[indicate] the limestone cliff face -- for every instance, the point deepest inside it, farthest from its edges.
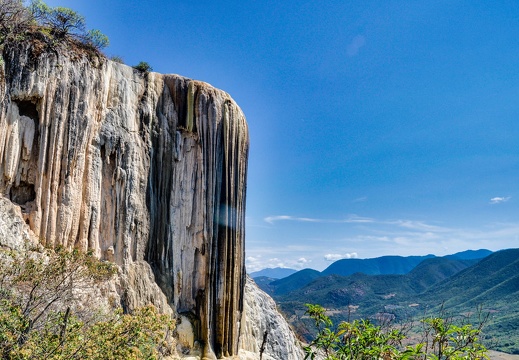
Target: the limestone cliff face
(146, 170)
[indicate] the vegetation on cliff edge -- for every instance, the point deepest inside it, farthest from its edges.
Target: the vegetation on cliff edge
(52, 26)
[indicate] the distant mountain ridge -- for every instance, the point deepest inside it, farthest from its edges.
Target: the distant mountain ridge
(275, 273)
(385, 265)
(470, 254)
(460, 284)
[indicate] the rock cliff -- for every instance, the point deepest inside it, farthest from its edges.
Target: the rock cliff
(265, 327)
(146, 170)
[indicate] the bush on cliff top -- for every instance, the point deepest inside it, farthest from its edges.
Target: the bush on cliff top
(58, 24)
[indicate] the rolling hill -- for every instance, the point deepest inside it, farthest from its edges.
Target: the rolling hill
(460, 286)
(377, 266)
(290, 283)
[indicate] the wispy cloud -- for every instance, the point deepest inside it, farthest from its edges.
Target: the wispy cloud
(365, 237)
(335, 257)
(273, 219)
(349, 219)
(499, 199)
(354, 46)
(419, 225)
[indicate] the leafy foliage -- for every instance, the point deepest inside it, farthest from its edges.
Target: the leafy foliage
(143, 67)
(360, 339)
(61, 20)
(13, 18)
(43, 314)
(57, 25)
(97, 39)
(117, 59)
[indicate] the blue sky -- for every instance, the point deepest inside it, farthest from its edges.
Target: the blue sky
(377, 127)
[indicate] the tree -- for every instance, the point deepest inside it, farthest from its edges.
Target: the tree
(57, 24)
(97, 39)
(13, 17)
(61, 20)
(43, 314)
(362, 340)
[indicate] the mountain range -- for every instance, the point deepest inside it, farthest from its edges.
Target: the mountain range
(270, 281)
(274, 273)
(455, 285)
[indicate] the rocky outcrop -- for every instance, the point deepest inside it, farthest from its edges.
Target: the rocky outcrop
(146, 170)
(266, 329)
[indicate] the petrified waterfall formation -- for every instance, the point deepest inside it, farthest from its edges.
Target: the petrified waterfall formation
(142, 169)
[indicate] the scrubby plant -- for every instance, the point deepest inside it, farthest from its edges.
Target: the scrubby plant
(97, 39)
(143, 66)
(61, 20)
(362, 340)
(117, 59)
(57, 24)
(43, 314)
(14, 17)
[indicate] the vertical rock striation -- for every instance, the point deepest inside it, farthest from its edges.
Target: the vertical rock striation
(145, 170)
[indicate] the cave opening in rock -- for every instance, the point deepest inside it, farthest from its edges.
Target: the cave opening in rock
(28, 108)
(22, 193)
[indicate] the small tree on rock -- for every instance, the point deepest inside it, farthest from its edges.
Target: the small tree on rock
(61, 21)
(143, 66)
(97, 39)
(13, 17)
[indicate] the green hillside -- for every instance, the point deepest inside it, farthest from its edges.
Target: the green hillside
(292, 282)
(376, 266)
(491, 279)
(432, 271)
(493, 284)
(461, 286)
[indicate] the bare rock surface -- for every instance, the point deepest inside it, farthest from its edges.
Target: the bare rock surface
(14, 233)
(265, 327)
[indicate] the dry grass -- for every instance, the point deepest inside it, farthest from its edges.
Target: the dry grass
(496, 355)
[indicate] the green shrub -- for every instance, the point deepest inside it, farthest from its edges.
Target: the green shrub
(56, 24)
(14, 17)
(143, 66)
(117, 59)
(42, 316)
(362, 340)
(97, 39)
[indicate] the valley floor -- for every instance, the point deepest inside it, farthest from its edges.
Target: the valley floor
(496, 355)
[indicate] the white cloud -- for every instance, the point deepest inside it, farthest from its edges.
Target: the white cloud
(335, 257)
(419, 225)
(498, 199)
(351, 219)
(355, 45)
(372, 237)
(302, 260)
(272, 219)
